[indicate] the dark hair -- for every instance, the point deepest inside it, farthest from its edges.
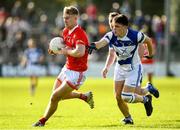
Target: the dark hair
(113, 14)
(71, 10)
(121, 19)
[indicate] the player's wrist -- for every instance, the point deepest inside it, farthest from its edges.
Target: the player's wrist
(64, 51)
(91, 47)
(51, 52)
(94, 46)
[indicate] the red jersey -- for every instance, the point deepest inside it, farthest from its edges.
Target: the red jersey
(71, 39)
(145, 60)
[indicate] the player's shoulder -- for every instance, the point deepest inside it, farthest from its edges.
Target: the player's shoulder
(109, 35)
(79, 32)
(132, 32)
(135, 35)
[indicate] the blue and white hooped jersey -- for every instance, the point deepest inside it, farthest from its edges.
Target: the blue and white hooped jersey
(126, 48)
(33, 55)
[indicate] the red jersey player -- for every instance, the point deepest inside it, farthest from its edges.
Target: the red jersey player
(73, 73)
(148, 64)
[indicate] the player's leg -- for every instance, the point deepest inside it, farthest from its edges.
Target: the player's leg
(56, 96)
(75, 80)
(87, 97)
(129, 95)
(150, 75)
(149, 88)
(141, 91)
(149, 69)
(63, 90)
(118, 86)
(119, 79)
(133, 79)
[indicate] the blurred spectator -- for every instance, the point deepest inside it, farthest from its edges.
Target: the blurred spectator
(59, 20)
(32, 60)
(115, 7)
(91, 11)
(3, 35)
(139, 19)
(43, 25)
(126, 9)
(17, 9)
(3, 31)
(148, 64)
(31, 13)
(158, 28)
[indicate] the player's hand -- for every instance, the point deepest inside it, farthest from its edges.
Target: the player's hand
(91, 48)
(104, 72)
(51, 52)
(149, 57)
(64, 51)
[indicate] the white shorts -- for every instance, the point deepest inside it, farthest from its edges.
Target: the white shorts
(73, 78)
(133, 78)
(148, 68)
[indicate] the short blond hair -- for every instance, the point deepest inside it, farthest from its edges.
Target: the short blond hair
(71, 10)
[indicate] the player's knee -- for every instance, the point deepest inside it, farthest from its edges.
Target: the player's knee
(128, 97)
(55, 98)
(118, 97)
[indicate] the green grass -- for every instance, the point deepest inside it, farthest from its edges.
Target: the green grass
(16, 111)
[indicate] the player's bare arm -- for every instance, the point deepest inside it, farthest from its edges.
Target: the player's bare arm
(97, 45)
(109, 61)
(148, 42)
(141, 50)
(101, 43)
(79, 51)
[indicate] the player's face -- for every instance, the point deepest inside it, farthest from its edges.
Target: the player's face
(69, 20)
(119, 29)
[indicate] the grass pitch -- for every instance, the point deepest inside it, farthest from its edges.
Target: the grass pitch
(18, 110)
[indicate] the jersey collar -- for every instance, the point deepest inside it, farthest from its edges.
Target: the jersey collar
(70, 31)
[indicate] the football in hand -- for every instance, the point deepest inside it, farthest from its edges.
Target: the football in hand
(56, 44)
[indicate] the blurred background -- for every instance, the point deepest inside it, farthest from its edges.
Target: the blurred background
(22, 19)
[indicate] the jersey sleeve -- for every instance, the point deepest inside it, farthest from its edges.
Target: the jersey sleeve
(81, 38)
(107, 37)
(141, 37)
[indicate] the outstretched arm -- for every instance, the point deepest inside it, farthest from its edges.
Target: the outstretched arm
(101, 43)
(97, 45)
